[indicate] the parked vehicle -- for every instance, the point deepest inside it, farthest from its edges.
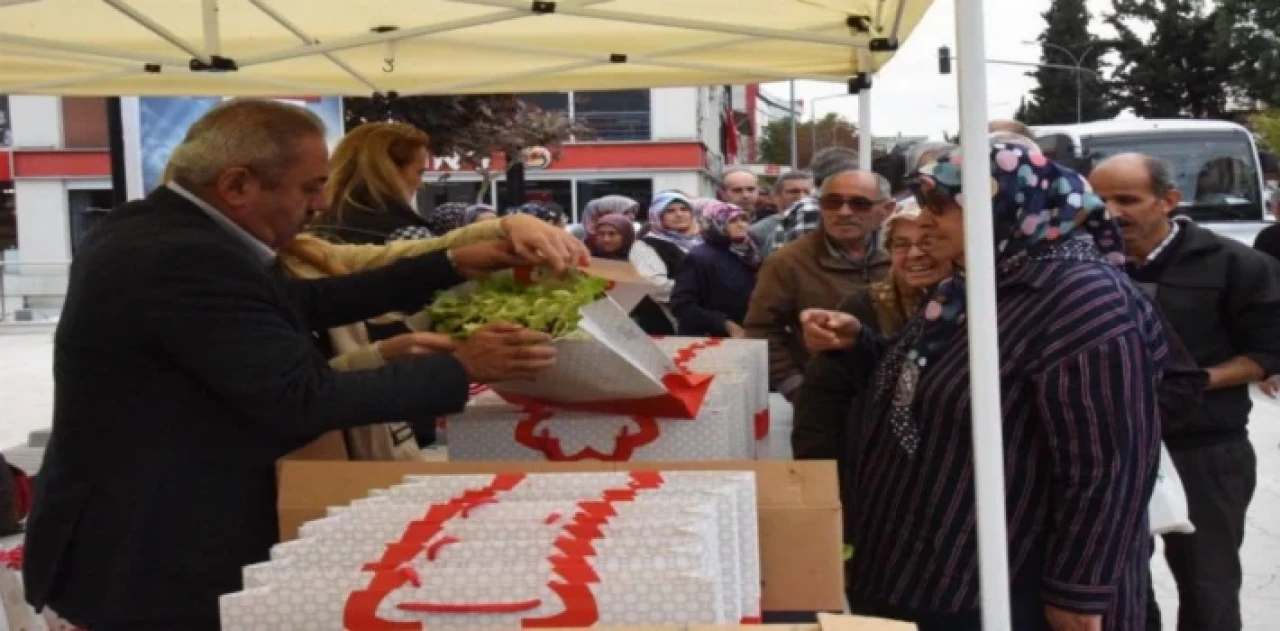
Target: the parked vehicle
(1215, 162)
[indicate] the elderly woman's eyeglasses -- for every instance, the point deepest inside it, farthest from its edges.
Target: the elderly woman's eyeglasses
(857, 203)
(905, 245)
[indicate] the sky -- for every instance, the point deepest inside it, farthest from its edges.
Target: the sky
(910, 97)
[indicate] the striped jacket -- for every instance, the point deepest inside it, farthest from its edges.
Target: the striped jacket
(1081, 354)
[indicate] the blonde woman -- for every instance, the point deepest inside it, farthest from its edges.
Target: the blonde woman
(374, 179)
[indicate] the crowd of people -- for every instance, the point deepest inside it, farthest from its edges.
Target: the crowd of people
(264, 295)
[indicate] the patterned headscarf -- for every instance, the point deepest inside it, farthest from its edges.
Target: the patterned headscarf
(623, 225)
(475, 210)
(1034, 201)
(660, 204)
(607, 205)
(715, 231)
(445, 218)
(1039, 210)
(699, 204)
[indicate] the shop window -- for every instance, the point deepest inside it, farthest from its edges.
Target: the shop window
(8, 217)
(436, 193)
(558, 191)
(614, 114)
(84, 123)
(640, 190)
(549, 101)
(88, 208)
(6, 128)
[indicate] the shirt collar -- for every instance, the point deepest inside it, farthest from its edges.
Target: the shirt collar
(258, 248)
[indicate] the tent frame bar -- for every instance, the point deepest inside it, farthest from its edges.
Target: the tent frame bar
(90, 51)
(159, 29)
(387, 36)
(693, 25)
(288, 25)
(212, 32)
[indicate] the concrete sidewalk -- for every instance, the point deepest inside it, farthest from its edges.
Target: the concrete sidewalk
(26, 405)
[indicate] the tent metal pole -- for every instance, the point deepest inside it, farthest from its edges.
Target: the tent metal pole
(92, 51)
(984, 380)
(864, 130)
(389, 36)
(157, 28)
(302, 35)
(695, 25)
(795, 150)
(212, 31)
(115, 142)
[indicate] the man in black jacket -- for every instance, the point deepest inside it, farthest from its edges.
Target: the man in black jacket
(1223, 301)
(184, 367)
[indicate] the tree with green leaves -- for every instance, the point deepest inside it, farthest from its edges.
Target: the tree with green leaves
(830, 131)
(1064, 94)
(1266, 124)
(1247, 35)
(1181, 69)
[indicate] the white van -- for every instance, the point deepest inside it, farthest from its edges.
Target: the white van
(1215, 163)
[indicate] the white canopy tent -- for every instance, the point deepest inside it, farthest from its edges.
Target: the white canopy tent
(414, 47)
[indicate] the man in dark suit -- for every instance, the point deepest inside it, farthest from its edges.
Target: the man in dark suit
(185, 367)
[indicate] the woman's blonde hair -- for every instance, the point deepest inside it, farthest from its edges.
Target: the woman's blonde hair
(907, 210)
(364, 170)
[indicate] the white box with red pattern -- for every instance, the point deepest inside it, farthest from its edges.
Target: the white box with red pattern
(539, 550)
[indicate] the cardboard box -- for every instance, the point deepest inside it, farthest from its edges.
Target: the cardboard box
(798, 502)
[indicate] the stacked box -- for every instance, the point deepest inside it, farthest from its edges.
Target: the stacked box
(516, 550)
(491, 429)
(747, 360)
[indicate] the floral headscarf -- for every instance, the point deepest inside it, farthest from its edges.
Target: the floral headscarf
(445, 218)
(623, 225)
(475, 210)
(715, 231)
(1039, 209)
(659, 205)
(607, 205)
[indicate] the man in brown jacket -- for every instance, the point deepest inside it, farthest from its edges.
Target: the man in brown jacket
(819, 270)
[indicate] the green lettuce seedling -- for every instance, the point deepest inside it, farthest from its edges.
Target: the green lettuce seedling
(552, 307)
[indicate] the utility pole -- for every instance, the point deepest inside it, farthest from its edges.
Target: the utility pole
(795, 153)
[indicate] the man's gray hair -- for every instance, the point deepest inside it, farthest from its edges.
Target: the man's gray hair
(882, 183)
(831, 161)
(791, 176)
(724, 175)
(260, 135)
(932, 149)
(1161, 174)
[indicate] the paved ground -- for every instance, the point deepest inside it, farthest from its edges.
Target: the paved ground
(26, 402)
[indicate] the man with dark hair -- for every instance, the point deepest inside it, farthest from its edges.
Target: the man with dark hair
(1269, 239)
(790, 188)
(1223, 300)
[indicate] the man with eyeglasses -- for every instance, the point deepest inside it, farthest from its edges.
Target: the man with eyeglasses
(819, 270)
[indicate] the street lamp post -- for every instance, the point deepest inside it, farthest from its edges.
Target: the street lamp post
(1079, 68)
(813, 126)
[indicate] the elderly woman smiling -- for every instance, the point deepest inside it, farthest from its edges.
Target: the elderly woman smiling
(1082, 354)
(823, 403)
